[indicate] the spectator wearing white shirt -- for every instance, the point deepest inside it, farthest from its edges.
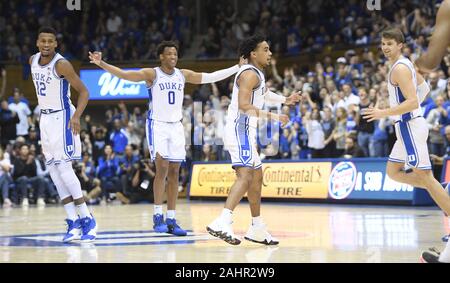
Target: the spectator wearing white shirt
(349, 97)
(316, 135)
(24, 112)
(437, 85)
(113, 23)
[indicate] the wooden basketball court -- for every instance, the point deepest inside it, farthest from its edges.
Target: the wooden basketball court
(307, 233)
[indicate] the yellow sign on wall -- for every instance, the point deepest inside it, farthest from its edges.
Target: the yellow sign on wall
(280, 180)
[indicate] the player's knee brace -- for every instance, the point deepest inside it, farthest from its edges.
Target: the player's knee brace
(56, 178)
(70, 179)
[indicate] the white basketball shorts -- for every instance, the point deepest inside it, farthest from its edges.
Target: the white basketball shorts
(166, 139)
(240, 142)
(411, 146)
(58, 142)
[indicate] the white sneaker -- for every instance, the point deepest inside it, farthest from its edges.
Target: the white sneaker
(7, 203)
(259, 234)
(40, 202)
(25, 202)
(223, 231)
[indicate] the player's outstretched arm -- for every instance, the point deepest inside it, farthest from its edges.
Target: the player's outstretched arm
(402, 76)
(247, 82)
(273, 97)
(207, 78)
(147, 74)
(65, 69)
(439, 42)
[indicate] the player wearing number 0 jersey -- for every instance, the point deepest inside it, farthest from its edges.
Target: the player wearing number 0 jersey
(410, 128)
(60, 126)
(165, 134)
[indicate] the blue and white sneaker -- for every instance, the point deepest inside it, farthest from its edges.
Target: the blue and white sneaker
(159, 225)
(73, 230)
(174, 228)
(89, 228)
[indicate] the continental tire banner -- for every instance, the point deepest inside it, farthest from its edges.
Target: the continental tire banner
(280, 180)
(357, 179)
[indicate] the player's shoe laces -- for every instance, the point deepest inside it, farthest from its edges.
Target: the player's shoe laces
(89, 228)
(223, 231)
(174, 228)
(430, 256)
(73, 230)
(259, 234)
(159, 225)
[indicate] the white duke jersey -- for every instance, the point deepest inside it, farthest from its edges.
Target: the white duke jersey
(396, 96)
(53, 92)
(166, 96)
(257, 100)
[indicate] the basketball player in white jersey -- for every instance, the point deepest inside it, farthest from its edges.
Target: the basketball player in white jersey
(165, 132)
(249, 95)
(60, 127)
(410, 127)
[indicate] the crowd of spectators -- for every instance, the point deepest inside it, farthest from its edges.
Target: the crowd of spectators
(294, 27)
(122, 30)
(131, 30)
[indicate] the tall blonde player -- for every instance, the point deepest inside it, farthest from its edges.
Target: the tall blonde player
(60, 127)
(165, 132)
(410, 127)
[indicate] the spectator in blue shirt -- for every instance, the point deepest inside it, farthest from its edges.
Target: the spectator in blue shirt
(108, 172)
(285, 141)
(126, 164)
(118, 137)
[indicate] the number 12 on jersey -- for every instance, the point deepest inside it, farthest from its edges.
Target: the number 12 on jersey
(40, 88)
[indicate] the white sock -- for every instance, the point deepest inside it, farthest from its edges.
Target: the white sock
(84, 210)
(157, 209)
(170, 214)
(257, 221)
(445, 254)
(227, 215)
(71, 211)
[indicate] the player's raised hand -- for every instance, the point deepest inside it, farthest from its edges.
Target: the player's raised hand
(74, 125)
(242, 61)
(294, 98)
(95, 57)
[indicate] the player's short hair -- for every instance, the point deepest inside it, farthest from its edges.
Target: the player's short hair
(249, 44)
(47, 29)
(163, 45)
(395, 34)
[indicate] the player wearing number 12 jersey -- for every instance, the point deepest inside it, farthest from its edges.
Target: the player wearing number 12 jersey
(60, 127)
(165, 134)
